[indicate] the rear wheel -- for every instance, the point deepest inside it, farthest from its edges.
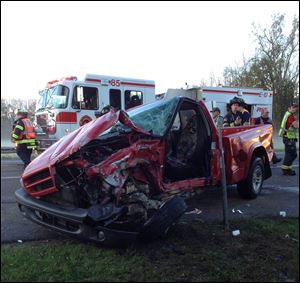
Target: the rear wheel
(251, 187)
(159, 224)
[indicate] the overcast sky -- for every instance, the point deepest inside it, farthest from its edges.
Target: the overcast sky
(169, 42)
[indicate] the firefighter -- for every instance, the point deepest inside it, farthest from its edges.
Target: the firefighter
(289, 131)
(23, 136)
(233, 118)
(245, 115)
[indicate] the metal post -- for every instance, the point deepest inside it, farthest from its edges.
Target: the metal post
(224, 182)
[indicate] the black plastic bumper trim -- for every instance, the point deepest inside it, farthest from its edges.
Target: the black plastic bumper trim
(70, 221)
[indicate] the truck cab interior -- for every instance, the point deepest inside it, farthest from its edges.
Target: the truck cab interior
(188, 145)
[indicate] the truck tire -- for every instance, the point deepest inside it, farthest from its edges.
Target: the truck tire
(159, 224)
(251, 187)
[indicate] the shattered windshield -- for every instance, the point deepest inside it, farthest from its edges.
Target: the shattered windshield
(154, 118)
(41, 103)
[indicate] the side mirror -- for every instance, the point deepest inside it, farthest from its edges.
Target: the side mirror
(79, 94)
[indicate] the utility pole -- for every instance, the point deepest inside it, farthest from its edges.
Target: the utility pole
(223, 179)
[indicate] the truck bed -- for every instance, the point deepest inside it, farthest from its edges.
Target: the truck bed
(241, 144)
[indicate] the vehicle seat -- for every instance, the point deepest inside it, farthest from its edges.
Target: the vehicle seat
(179, 164)
(187, 142)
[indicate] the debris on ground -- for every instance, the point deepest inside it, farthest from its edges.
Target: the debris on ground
(282, 213)
(293, 239)
(236, 232)
(195, 211)
(20, 241)
(239, 211)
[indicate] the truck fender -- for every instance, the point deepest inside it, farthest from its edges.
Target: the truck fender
(257, 150)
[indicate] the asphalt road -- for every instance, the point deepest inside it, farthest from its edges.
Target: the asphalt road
(280, 193)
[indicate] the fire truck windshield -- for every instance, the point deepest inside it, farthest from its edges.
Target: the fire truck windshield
(41, 103)
(54, 97)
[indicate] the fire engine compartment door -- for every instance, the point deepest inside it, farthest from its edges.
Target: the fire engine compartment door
(256, 110)
(115, 98)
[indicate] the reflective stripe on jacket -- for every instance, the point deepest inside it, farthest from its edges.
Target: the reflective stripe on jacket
(24, 133)
(291, 132)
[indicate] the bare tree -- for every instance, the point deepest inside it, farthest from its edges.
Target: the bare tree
(275, 65)
(277, 61)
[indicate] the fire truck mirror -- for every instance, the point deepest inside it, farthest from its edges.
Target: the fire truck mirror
(79, 94)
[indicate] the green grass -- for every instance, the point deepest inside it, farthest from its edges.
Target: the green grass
(195, 252)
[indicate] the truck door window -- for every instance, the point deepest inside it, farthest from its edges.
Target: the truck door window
(90, 99)
(115, 98)
(133, 98)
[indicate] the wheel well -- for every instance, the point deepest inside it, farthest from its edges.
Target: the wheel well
(261, 153)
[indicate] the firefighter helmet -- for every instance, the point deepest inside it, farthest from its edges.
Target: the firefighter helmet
(21, 112)
(242, 102)
(235, 100)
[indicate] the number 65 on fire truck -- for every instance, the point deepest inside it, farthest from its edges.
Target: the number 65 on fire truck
(68, 103)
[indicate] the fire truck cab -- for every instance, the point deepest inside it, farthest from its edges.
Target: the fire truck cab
(68, 103)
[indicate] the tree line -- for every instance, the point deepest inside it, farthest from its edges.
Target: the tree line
(9, 106)
(274, 66)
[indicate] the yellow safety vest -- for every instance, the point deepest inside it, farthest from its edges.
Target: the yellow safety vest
(291, 132)
(27, 136)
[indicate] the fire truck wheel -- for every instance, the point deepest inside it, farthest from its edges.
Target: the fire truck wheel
(251, 187)
(85, 119)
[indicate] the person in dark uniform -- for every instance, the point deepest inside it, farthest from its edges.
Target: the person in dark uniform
(244, 112)
(233, 118)
(23, 136)
(289, 131)
(265, 119)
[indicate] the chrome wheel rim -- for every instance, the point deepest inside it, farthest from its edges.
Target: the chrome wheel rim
(257, 179)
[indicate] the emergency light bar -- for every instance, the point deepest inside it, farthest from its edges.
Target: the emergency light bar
(52, 83)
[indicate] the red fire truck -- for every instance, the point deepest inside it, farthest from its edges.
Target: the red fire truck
(68, 103)
(255, 98)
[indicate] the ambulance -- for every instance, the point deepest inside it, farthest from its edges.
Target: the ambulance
(68, 103)
(255, 98)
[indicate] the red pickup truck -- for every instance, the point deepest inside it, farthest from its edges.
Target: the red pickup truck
(124, 176)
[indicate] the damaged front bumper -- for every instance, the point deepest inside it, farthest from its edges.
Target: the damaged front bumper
(70, 221)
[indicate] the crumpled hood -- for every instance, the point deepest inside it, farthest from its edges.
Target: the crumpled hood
(71, 143)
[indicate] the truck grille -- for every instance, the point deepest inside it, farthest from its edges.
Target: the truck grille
(57, 222)
(40, 183)
(40, 176)
(42, 119)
